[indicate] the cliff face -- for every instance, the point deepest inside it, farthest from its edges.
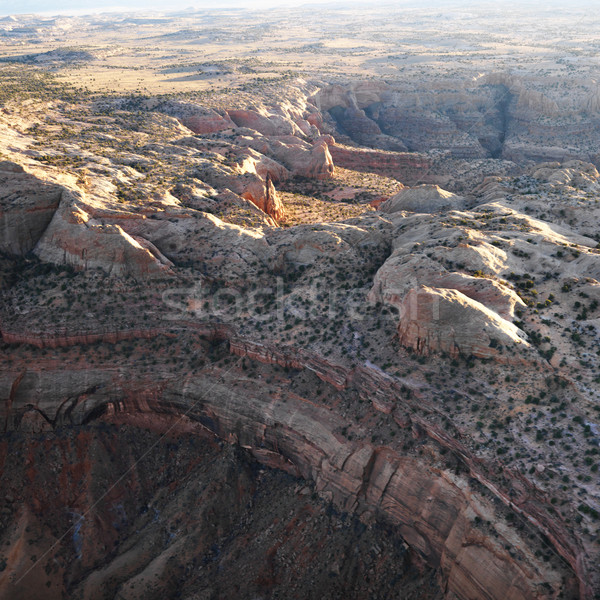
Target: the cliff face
(453, 523)
(202, 525)
(408, 168)
(27, 206)
(446, 320)
(497, 115)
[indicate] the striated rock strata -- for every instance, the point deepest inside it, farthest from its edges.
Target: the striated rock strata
(439, 511)
(445, 320)
(409, 168)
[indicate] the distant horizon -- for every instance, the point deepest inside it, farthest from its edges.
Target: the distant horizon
(89, 7)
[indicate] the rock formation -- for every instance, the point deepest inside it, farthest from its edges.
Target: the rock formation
(300, 157)
(423, 199)
(435, 514)
(402, 272)
(426, 371)
(267, 125)
(445, 320)
(210, 501)
(498, 115)
(197, 118)
(75, 238)
(27, 206)
(408, 168)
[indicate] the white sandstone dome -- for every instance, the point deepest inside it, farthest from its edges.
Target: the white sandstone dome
(423, 199)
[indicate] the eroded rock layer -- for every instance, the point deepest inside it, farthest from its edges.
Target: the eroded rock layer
(203, 525)
(438, 512)
(430, 366)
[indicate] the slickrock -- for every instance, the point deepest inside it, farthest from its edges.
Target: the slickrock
(402, 272)
(199, 119)
(74, 238)
(207, 122)
(300, 157)
(247, 209)
(576, 173)
(266, 124)
(27, 205)
(423, 199)
(445, 320)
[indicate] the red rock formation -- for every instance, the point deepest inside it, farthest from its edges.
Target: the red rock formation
(299, 156)
(199, 119)
(406, 167)
(385, 393)
(265, 197)
(321, 165)
(64, 338)
(269, 125)
(210, 122)
(273, 205)
(377, 202)
(176, 505)
(445, 320)
(433, 507)
(27, 205)
(291, 358)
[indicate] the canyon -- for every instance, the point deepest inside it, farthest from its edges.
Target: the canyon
(312, 335)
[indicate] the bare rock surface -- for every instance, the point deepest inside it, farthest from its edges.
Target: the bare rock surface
(423, 199)
(445, 320)
(27, 206)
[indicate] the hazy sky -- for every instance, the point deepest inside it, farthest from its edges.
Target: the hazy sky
(15, 7)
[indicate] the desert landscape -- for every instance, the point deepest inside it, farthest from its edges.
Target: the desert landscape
(301, 302)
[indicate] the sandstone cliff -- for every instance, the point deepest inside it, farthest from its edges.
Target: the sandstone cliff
(439, 515)
(27, 206)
